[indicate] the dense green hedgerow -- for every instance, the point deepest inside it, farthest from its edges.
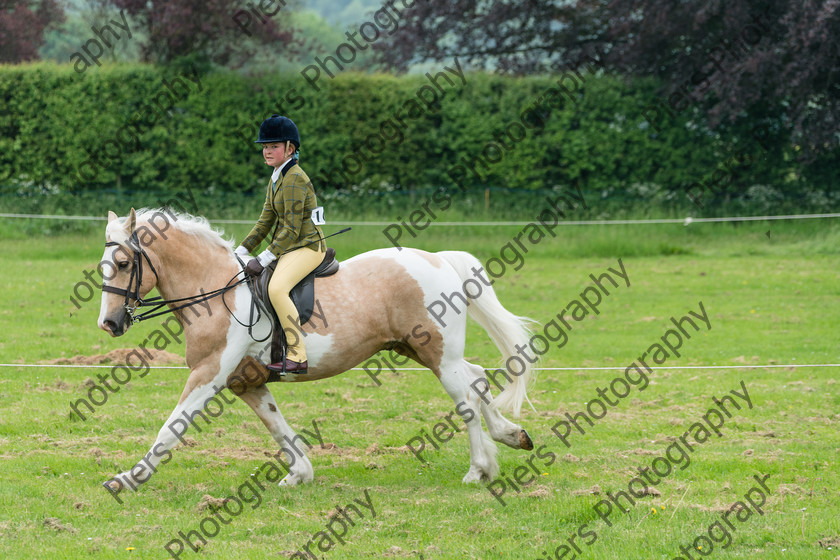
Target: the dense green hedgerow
(143, 129)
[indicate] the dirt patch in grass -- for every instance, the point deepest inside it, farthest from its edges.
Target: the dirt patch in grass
(56, 525)
(540, 492)
(595, 491)
(375, 449)
(829, 542)
(208, 501)
(329, 448)
(242, 453)
(120, 356)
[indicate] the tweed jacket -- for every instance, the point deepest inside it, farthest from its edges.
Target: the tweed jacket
(289, 203)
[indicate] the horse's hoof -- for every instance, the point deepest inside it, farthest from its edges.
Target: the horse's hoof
(525, 441)
(476, 475)
(474, 478)
(291, 480)
(114, 486)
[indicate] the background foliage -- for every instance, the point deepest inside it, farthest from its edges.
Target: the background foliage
(770, 61)
(596, 139)
(22, 27)
(53, 120)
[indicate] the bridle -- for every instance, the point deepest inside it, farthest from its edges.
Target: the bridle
(136, 274)
(136, 278)
(158, 301)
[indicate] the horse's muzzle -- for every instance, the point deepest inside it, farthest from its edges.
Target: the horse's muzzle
(116, 325)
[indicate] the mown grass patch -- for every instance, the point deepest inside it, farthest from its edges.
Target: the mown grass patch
(770, 300)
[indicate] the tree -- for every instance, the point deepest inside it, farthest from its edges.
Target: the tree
(227, 33)
(61, 42)
(314, 36)
(773, 62)
(509, 35)
(22, 26)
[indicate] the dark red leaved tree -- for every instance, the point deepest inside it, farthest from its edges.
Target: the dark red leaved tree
(788, 76)
(22, 26)
(224, 32)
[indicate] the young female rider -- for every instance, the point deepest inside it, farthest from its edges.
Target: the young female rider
(297, 242)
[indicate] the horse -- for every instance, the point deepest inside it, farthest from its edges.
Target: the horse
(377, 300)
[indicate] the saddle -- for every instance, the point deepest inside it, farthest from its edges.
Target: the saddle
(303, 296)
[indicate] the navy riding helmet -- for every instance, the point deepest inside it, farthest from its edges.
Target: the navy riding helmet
(277, 128)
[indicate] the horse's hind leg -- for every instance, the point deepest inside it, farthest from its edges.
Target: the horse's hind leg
(455, 378)
(501, 429)
(262, 403)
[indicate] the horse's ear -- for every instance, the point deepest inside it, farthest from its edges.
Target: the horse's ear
(111, 216)
(131, 223)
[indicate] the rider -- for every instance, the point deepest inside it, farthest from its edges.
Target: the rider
(297, 241)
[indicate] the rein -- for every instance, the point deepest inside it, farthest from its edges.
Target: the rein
(136, 278)
(158, 301)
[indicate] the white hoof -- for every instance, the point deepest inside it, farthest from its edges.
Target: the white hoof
(289, 480)
(294, 479)
(475, 475)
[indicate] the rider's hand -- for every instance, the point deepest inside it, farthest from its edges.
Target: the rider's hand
(266, 257)
(254, 268)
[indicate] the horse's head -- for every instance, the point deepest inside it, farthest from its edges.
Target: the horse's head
(125, 281)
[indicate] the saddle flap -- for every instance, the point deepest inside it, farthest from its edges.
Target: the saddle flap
(303, 297)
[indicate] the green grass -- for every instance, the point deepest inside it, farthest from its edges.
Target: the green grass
(770, 299)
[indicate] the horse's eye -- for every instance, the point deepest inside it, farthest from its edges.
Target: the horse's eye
(123, 265)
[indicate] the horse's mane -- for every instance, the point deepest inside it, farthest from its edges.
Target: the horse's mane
(197, 226)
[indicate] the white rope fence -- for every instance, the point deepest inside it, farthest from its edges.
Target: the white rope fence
(610, 368)
(685, 221)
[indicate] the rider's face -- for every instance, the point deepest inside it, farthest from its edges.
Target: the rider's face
(275, 153)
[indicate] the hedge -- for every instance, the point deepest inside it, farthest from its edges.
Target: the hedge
(140, 127)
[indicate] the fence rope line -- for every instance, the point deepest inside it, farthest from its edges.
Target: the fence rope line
(609, 368)
(685, 221)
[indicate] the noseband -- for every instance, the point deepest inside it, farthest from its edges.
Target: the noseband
(136, 278)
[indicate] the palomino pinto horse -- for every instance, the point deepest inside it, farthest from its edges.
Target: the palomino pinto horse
(377, 300)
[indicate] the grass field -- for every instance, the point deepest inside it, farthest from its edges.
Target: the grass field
(771, 299)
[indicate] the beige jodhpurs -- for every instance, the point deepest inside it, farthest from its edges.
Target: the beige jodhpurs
(291, 269)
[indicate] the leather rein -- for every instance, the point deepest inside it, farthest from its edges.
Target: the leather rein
(136, 278)
(158, 301)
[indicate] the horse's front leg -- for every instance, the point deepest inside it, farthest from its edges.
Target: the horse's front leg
(294, 446)
(200, 388)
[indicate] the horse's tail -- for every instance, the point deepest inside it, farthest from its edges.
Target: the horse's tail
(505, 329)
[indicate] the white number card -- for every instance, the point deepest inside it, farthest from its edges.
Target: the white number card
(318, 216)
